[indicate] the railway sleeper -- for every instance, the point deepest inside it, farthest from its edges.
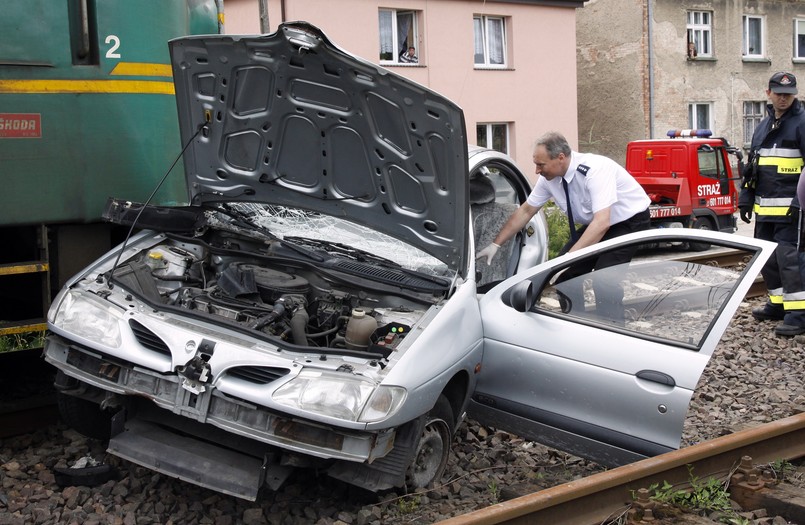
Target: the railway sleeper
(751, 488)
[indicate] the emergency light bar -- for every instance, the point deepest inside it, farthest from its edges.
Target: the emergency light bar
(701, 133)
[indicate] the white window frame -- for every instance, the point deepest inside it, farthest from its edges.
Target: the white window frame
(394, 36)
(694, 119)
(492, 55)
(753, 112)
(750, 24)
(489, 128)
(700, 32)
(799, 39)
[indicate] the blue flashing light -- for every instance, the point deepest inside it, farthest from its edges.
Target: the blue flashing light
(700, 133)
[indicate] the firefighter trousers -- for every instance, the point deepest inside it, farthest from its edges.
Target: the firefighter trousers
(784, 272)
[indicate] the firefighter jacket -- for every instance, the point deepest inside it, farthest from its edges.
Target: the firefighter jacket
(770, 177)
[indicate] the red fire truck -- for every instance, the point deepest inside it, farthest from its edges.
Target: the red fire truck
(689, 178)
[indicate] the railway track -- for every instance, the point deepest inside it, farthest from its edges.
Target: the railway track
(724, 258)
(601, 497)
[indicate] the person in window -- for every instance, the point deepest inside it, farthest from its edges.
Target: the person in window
(409, 57)
(692, 53)
(769, 191)
(595, 192)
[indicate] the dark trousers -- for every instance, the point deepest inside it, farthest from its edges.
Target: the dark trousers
(608, 291)
(784, 272)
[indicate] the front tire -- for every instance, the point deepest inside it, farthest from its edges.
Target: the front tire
(433, 448)
(700, 223)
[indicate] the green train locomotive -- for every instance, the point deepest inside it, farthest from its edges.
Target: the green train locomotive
(86, 112)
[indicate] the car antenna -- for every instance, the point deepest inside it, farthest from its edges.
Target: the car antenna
(109, 283)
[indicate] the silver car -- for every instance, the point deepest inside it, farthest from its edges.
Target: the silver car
(318, 303)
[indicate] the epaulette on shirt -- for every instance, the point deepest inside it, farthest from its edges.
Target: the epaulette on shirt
(581, 168)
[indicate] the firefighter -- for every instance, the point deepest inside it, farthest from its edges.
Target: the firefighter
(768, 191)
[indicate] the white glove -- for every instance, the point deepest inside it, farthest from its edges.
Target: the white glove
(488, 252)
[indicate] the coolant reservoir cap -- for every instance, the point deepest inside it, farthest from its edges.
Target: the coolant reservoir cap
(357, 312)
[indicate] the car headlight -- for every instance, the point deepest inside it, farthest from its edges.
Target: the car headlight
(340, 396)
(88, 317)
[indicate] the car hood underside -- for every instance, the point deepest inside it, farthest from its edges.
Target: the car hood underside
(290, 119)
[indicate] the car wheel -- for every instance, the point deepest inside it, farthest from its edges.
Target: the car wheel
(700, 223)
(84, 416)
(433, 448)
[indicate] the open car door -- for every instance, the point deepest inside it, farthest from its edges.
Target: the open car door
(603, 364)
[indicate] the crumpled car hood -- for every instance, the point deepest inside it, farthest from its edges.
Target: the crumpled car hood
(290, 119)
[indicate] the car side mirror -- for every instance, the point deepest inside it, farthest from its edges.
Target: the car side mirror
(522, 297)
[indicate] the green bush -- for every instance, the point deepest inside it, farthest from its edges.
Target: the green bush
(558, 231)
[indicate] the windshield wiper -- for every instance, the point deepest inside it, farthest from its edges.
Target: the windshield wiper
(242, 219)
(343, 250)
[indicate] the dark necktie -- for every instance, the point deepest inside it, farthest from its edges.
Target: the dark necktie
(573, 233)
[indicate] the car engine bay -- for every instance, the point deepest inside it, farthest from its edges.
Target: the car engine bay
(327, 302)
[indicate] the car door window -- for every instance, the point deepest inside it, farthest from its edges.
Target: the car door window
(668, 300)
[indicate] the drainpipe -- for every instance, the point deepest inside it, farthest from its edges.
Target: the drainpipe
(219, 4)
(264, 25)
(650, 15)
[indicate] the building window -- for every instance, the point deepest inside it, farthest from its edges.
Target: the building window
(799, 38)
(700, 32)
(753, 37)
(699, 115)
(398, 33)
(494, 136)
(490, 41)
(753, 114)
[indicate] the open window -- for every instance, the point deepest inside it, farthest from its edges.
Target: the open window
(700, 31)
(399, 33)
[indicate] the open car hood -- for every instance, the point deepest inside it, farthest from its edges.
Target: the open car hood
(290, 119)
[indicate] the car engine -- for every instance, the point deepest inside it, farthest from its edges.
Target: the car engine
(333, 303)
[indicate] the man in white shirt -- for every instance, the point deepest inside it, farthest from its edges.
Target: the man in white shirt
(603, 198)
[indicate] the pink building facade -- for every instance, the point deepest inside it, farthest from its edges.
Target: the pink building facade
(511, 65)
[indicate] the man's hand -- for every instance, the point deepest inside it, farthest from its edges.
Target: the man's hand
(746, 214)
(488, 252)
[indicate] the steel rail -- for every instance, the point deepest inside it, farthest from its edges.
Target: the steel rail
(600, 497)
(724, 258)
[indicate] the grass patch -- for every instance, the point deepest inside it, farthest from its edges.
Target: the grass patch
(23, 341)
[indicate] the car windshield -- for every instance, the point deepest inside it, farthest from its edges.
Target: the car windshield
(338, 237)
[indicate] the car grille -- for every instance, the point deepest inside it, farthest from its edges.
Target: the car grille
(149, 339)
(261, 375)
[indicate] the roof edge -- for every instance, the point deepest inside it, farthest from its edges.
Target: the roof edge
(548, 3)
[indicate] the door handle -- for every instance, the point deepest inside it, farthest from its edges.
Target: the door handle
(656, 377)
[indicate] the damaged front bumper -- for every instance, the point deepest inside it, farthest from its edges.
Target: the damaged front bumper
(250, 445)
